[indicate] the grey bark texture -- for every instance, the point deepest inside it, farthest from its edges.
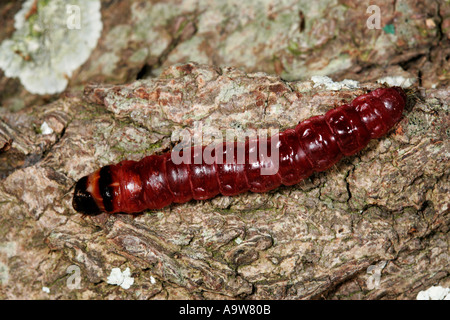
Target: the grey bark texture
(374, 226)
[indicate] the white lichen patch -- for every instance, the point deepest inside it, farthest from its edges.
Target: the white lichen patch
(398, 81)
(332, 85)
(434, 293)
(46, 129)
(120, 278)
(52, 39)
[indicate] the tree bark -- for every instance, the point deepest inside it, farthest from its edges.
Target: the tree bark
(374, 226)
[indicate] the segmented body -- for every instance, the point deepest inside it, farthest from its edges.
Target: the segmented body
(313, 145)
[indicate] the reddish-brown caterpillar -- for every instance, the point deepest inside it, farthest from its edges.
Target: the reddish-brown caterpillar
(313, 145)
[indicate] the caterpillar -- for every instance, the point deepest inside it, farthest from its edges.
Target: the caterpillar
(314, 145)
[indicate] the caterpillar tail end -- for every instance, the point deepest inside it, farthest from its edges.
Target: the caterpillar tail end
(83, 201)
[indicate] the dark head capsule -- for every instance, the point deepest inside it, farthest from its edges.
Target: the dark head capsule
(83, 201)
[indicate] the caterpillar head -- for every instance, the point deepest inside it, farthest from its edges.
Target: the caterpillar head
(83, 200)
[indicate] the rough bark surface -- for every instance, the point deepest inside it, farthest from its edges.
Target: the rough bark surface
(295, 39)
(374, 226)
